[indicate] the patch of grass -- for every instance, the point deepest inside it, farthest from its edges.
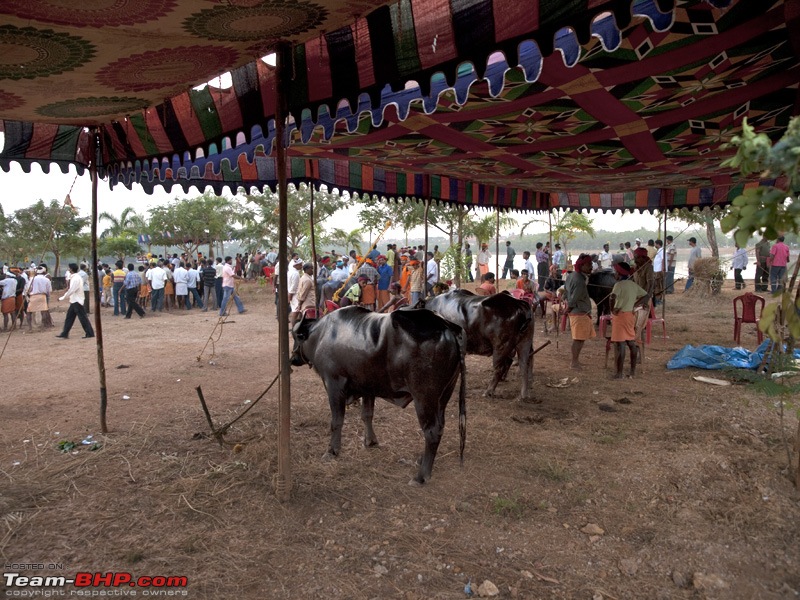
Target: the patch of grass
(508, 507)
(554, 471)
(610, 436)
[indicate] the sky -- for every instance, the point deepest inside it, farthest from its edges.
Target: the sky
(20, 190)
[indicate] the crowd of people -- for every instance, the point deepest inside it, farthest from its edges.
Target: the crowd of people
(379, 281)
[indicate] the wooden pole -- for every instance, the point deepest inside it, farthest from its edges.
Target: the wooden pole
(313, 239)
(283, 484)
(497, 247)
(98, 322)
(424, 261)
(664, 269)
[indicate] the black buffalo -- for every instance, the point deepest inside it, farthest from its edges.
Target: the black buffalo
(404, 356)
(498, 326)
(600, 285)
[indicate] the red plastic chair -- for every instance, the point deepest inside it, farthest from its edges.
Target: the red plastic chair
(605, 321)
(654, 319)
(749, 303)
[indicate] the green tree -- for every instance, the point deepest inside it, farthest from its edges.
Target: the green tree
(128, 223)
(193, 221)
(773, 211)
(707, 218)
(263, 214)
(565, 227)
(119, 246)
(51, 227)
(348, 240)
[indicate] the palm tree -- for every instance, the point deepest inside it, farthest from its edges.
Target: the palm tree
(125, 225)
(349, 240)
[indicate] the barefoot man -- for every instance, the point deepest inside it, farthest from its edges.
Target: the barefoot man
(579, 307)
(624, 297)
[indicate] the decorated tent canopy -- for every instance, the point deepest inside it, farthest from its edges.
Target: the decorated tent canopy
(578, 104)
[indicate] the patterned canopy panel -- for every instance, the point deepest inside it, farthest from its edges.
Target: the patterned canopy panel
(128, 66)
(640, 127)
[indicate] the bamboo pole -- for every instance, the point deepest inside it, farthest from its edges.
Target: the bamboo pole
(283, 483)
(98, 322)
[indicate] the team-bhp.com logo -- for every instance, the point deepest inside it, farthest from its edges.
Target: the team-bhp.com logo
(93, 584)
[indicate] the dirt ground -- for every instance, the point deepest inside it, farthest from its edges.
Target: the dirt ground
(683, 486)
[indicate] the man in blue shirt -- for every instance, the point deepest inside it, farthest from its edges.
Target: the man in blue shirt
(131, 284)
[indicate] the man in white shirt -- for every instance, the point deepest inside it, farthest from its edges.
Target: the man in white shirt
(8, 284)
(84, 273)
(193, 276)
(75, 295)
(605, 257)
(181, 279)
(39, 290)
(738, 265)
(672, 255)
(157, 277)
(529, 265)
(292, 283)
(432, 272)
(659, 269)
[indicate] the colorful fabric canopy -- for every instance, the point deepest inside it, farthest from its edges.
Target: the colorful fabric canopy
(573, 103)
(639, 127)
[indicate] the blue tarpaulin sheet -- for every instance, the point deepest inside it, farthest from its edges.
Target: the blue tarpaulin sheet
(719, 357)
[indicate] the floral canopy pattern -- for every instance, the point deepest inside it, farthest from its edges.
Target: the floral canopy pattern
(579, 103)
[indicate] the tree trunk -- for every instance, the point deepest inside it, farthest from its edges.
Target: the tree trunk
(58, 264)
(711, 235)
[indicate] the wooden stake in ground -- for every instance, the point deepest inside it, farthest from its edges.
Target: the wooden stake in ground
(98, 322)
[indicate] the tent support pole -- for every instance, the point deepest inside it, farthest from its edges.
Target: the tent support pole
(283, 484)
(424, 260)
(98, 322)
(497, 246)
(313, 237)
(664, 269)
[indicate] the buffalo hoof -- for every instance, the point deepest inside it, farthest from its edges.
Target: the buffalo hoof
(328, 456)
(371, 443)
(416, 483)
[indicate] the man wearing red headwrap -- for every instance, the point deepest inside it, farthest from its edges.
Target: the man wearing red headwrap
(579, 307)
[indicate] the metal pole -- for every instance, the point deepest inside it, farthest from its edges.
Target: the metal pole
(98, 322)
(283, 484)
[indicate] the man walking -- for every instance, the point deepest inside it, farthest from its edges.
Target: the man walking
(509, 264)
(739, 264)
(76, 298)
(131, 283)
(228, 289)
(694, 254)
(762, 268)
